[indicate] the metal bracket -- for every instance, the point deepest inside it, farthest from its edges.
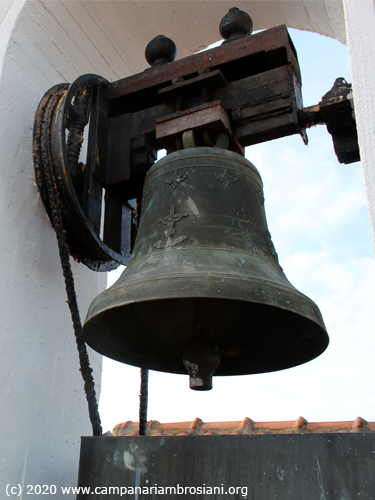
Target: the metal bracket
(336, 111)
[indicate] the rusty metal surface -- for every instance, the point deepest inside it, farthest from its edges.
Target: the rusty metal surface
(336, 111)
(267, 467)
(274, 45)
(255, 78)
(80, 185)
(231, 73)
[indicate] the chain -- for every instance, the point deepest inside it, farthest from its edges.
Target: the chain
(143, 399)
(44, 135)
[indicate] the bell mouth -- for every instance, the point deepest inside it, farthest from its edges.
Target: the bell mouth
(251, 337)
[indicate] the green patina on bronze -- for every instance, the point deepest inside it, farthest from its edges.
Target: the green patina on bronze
(203, 245)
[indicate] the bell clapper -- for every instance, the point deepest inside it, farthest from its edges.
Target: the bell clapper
(201, 355)
(201, 358)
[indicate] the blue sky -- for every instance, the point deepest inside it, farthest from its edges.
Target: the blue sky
(317, 215)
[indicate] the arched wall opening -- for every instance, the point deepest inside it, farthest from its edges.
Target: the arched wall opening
(44, 43)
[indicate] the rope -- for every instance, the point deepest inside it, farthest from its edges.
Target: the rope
(143, 400)
(44, 150)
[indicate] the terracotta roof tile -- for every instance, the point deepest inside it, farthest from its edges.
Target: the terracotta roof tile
(220, 426)
(125, 425)
(196, 424)
(152, 424)
(359, 423)
(246, 426)
(334, 426)
(247, 422)
(174, 426)
(301, 422)
(281, 426)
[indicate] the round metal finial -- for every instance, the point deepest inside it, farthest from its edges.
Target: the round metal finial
(236, 24)
(160, 50)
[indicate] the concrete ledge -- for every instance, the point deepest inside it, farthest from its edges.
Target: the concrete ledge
(260, 467)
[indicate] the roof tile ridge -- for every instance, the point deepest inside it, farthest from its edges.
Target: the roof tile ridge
(247, 426)
(244, 427)
(123, 425)
(301, 423)
(194, 428)
(152, 424)
(196, 424)
(124, 428)
(359, 423)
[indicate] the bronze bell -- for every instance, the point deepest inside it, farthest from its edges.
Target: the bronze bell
(204, 287)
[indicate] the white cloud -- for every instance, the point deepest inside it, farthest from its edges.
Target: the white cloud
(307, 192)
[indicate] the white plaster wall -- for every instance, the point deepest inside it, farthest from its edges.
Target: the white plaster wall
(360, 25)
(43, 410)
